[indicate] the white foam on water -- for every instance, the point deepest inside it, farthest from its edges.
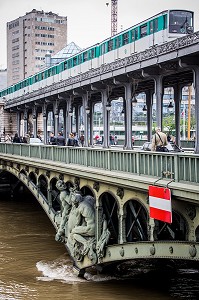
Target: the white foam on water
(61, 269)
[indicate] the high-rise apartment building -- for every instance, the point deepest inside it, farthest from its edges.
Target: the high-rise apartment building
(29, 38)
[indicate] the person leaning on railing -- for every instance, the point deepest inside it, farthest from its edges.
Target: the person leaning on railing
(159, 141)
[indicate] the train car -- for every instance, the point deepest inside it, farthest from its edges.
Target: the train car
(161, 28)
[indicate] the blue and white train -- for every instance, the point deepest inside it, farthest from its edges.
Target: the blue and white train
(161, 28)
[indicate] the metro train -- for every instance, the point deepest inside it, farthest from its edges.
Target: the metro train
(161, 28)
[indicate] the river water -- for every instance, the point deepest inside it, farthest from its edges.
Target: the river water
(34, 266)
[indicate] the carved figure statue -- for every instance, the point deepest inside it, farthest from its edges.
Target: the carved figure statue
(103, 240)
(65, 198)
(77, 226)
(81, 240)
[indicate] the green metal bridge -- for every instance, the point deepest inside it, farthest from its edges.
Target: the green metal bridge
(113, 185)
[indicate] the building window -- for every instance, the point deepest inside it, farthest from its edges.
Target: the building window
(15, 40)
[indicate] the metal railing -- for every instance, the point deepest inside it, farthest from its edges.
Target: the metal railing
(178, 166)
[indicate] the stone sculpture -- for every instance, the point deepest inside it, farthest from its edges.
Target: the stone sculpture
(65, 198)
(77, 226)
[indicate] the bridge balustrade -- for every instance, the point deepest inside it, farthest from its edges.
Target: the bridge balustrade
(178, 166)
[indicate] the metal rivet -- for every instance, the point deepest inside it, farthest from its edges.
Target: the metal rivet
(192, 251)
(122, 252)
(171, 250)
(152, 250)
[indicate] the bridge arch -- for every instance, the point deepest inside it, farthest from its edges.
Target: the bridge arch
(135, 221)
(43, 185)
(22, 171)
(87, 190)
(177, 230)
(109, 206)
(33, 178)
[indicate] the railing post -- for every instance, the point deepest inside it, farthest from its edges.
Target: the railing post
(86, 157)
(138, 163)
(52, 153)
(176, 168)
(108, 159)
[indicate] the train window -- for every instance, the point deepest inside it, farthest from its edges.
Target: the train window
(164, 21)
(49, 72)
(151, 27)
(135, 34)
(69, 63)
(125, 38)
(80, 58)
(103, 48)
(118, 42)
(74, 61)
(92, 53)
(110, 45)
(65, 65)
(85, 56)
(155, 25)
(180, 21)
(143, 30)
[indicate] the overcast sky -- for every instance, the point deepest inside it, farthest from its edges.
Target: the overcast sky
(89, 21)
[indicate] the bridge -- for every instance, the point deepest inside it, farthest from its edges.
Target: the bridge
(108, 187)
(116, 181)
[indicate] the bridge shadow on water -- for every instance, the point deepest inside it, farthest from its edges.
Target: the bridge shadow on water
(178, 280)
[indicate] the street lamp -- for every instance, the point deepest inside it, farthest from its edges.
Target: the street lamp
(144, 109)
(134, 100)
(108, 106)
(170, 106)
(70, 112)
(87, 110)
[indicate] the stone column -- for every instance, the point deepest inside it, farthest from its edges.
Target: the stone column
(19, 122)
(196, 87)
(34, 118)
(159, 99)
(25, 117)
(91, 123)
(85, 104)
(106, 118)
(177, 101)
(77, 120)
(56, 116)
(44, 114)
(128, 115)
(68, 116)
(149, 104)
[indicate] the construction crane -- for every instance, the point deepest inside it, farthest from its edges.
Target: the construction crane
(113, 17)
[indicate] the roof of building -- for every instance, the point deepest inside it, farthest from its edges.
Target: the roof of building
(67, 51)
(63, 54)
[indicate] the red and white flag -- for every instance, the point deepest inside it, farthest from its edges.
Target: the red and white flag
(160, 203)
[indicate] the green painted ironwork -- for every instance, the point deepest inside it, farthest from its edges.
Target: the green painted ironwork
(182, 167)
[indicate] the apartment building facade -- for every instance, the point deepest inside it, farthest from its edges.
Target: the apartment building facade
(29, 38)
